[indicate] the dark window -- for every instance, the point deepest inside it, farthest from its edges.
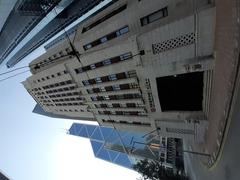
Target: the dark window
(92, 81)
(99, 64)
(105, 79)
(119, 113)
(79, 70)
(116, 87)
(104, 62)
(104, 18)
(96, 90)
(107, 62)
(113, 97)
(126, 56)
(183, 92)
(124, 86)
(131, 105)
(154, 16)
(116, 105)
(100, 98)
(115, 60)
(106, 38)
(86, 68)
(94, 98)
(109, 88)
(121, 75)
(107, 112)
(103, 105)
(85, 83)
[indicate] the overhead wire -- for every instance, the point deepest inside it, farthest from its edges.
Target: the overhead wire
(4, 79)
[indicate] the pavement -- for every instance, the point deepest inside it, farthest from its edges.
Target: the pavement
(227, 43)
(228, 167)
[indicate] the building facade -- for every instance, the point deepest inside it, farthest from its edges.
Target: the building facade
(3, 177)
(24, 16)
(137, 66)
(74, 10)
(127, 148)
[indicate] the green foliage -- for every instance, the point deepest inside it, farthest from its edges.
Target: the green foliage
(154, 171)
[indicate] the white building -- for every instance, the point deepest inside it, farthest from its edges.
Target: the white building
(142, 65)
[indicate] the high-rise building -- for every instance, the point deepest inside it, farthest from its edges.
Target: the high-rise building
(3, 177)
(68, 15)
(24, 16)
(127, 148)
(137, 66)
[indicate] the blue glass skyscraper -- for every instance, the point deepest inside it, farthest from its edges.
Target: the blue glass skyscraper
(119, 147)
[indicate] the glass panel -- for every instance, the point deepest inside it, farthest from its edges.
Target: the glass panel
(90, 129)
(92, 66)
(123, 161)
(113, 137)
(113, 154)
(96, 146)
(126, 56)
(97, 135)
(124, 30)
(103, 154)
(116, 87)
(106, 132)
(104, 39)
(157, 15)
(75, 129)
(83, 132)
(107, 62)
(144, 21)
(112, 77)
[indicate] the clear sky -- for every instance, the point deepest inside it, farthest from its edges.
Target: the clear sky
(35, 147)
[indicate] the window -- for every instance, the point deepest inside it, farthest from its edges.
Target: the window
(116, 105)
(116, 87)
(88, 46)
(94, 98)
(97, 105)
(122, 31)
(90, 91)
(109, 88)
(103, 39)
(104, 18)
(125, 56)
(154, 16)
(102, 89)
(106, 38)
(98, 80)
(86, 68)
(106, 62)
(103, 105)
(119, 113)
(99, 64)
(79, 70)
(85, 83)
(92, 66)
(112, 77)
(124, 86)
(106, 98)
(131, 105)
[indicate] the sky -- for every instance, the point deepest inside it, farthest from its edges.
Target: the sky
(35, 147)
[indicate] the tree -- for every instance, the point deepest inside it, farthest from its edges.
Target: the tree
(148, 169)
(151, 170)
